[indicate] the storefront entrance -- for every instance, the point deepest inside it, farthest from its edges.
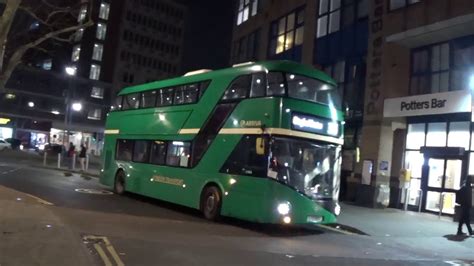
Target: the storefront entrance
(443, 171)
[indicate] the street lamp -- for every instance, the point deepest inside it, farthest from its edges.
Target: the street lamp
(70, 71)
(77, 107)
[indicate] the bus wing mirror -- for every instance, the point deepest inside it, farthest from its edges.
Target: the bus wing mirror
(260, 146)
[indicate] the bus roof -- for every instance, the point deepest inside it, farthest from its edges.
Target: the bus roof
(242, 69)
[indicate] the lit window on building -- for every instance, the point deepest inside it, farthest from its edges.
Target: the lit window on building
(82, 13)
(329, 19)
(396, 4)
(97, 92)
(94, 114)
(101, 31)
(287, 32)
(247, 8)
(76, 52)
(97, 52)
(78, 35)
(95, 72)
(104, 10)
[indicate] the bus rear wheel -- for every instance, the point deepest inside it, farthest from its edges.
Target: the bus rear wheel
(211, 202)
(119, 184)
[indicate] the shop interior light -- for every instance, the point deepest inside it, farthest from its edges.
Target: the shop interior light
(471, 82)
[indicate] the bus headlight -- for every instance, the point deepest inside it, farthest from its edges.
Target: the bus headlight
(283, 208)
(337, 209)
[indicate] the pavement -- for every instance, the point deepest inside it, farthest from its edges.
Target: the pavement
(48, 218)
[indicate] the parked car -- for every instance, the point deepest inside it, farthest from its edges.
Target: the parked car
(4, 145)
(15, 143)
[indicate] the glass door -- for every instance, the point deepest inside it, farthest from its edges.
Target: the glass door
(443, 179)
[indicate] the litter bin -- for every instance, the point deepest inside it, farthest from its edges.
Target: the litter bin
(382, 196)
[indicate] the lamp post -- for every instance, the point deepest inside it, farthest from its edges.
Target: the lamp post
(70, 71)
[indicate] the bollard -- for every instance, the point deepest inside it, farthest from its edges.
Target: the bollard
(74, 161)
(87, 162)
(59, 160)
(44, 158)
(407, 198)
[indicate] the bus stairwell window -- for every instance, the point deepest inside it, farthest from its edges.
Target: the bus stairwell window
(238, 89)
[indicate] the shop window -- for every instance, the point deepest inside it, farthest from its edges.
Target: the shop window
(178, 153)
(287, 32)
(148, 99)
(415, 136)
(436, 135)
(238, 89)
(130, 101)
(124, 150)
(459, 134)
(414, 162)
(141, 151)
(471, 164)
(158, 152)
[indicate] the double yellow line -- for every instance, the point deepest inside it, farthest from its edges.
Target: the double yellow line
(104, 241)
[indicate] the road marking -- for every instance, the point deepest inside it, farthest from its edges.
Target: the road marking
(40, 200)
(103, 255)
(335, 229)
(93, 191)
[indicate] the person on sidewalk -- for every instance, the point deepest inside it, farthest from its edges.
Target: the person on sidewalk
(70, 154)
(82, 157)
(464, 199)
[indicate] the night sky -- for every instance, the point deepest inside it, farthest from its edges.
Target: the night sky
(208, 34)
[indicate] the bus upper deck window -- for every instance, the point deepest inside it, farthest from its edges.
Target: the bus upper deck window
(276, 84)
(258, 85)
(165, 97)
(238, 89)
(131, 101)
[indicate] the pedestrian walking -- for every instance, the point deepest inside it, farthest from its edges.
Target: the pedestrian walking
(82, 157)
(464, 199)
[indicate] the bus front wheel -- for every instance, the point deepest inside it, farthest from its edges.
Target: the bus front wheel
(119, 184)
(211, 201)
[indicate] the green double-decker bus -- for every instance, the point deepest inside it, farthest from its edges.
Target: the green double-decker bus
(258, 141)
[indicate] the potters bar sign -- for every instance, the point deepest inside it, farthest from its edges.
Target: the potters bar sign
(429, 104)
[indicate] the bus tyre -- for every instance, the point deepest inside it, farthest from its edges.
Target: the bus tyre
(119, 184)
(211, 202)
